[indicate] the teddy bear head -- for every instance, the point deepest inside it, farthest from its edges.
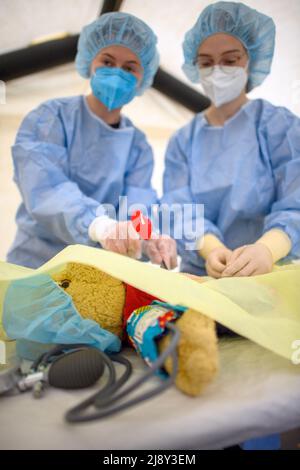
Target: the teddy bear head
(95, 294)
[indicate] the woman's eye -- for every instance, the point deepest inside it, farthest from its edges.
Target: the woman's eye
(128, 69)
(107, 63)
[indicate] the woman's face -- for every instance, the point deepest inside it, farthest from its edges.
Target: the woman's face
(121, 57)
(221, 49)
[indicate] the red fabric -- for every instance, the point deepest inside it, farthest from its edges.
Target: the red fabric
(135, 298)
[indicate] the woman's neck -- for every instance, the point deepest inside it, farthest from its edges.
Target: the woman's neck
(218, 116)
(100, 110)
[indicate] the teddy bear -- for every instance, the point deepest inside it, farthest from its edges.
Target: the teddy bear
(109, 301)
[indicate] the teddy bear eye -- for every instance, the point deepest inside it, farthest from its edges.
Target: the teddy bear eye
(65, 283)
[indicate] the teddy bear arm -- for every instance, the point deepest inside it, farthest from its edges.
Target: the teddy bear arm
(197, 352)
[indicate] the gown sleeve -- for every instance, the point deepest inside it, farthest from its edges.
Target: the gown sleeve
(282, 134)
(41, 173)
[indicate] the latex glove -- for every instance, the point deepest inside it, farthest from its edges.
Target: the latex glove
(278, 243)
(249, 260)
(207, 243)
(217, 260)
(161, 248)
(120, 237)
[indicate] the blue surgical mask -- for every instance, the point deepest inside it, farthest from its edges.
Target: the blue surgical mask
(113, 86)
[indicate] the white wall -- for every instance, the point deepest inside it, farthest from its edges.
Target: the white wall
(23, 21)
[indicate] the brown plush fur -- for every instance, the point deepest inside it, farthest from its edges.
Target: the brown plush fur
(197, 352)
(101, 297)
(96, 295)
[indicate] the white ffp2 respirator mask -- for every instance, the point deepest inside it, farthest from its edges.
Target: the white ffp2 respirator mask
(223, 84)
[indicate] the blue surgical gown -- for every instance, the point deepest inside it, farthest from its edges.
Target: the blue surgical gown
(67, 162)
(245, 173)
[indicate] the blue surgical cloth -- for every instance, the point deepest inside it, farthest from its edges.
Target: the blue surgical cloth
(253, 29)
(246, 173)
(67, 162)
(119, 29)
(37, 310)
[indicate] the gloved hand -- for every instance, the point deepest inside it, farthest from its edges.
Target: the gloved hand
(249, 260)
(161, 248)
(120, 237)
(217, 260)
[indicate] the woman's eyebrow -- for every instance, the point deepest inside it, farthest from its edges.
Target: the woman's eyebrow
(108, 55)
(230, 52)
(132, 62)
(226, 52)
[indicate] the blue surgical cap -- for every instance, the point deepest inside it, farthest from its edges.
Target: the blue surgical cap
(120, 29)
(254, 30)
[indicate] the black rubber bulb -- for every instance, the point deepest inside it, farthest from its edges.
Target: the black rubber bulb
(77, 369)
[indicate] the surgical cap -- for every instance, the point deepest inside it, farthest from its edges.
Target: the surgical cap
(254, 30)
(120, 29)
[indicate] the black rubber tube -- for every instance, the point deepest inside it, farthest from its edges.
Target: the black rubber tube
(39, 57)
(180, 92)
(110, 5)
